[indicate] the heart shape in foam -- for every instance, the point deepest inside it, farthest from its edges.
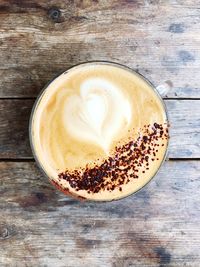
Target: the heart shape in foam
(97, 113)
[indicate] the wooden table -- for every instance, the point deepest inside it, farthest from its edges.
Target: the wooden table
(159, 226)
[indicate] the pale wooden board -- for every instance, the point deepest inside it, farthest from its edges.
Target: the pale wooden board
(183, 116)
(159, 226)
(160, 39)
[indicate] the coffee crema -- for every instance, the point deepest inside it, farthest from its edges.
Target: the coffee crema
(99, 131)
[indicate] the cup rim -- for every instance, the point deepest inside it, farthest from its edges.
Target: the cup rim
(100, 62)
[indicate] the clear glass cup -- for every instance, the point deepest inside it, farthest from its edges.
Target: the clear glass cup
(65, 72)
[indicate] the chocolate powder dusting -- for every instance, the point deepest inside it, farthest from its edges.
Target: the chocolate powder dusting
(122, 166)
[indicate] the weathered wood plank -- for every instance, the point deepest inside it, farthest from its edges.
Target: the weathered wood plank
(39, 39)
(159, 226)
(183, 115)
(185, 128)
(14, 121)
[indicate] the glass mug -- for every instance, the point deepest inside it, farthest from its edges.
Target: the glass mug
(45, 91)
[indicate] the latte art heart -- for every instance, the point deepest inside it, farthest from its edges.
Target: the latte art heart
(97, 113)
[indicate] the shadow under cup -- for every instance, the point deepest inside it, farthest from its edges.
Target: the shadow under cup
(37, 103)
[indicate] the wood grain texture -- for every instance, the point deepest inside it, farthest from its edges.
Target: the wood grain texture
(39, 39)
(183, 117)
(14, 122)
(159, 226)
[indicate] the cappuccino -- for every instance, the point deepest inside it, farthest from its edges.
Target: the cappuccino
(99, 131)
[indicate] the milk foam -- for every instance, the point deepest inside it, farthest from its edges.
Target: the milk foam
(84, 114)
(97, 113)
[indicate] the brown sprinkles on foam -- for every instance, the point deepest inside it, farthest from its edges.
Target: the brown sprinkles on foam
(124, 165)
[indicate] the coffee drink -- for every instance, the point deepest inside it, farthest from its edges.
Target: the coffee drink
(99, 131)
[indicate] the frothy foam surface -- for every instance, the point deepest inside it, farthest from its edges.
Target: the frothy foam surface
(95, 115)
(84, 114)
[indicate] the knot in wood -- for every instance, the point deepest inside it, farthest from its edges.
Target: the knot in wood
(55, 14)
(6, 232)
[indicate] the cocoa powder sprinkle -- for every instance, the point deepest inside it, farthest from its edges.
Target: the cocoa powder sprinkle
(123, 166)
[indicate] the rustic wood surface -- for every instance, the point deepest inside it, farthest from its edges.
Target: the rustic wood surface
(160, 225)
(157, 37)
